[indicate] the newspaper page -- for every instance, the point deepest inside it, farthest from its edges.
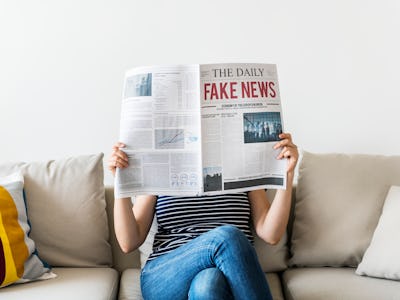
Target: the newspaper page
(160, 126)
(241, 119)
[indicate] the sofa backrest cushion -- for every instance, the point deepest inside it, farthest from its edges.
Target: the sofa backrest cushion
(339, 201)
(66, 208)
(272, 258)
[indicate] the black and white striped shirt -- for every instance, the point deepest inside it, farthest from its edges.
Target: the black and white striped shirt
(181, 219)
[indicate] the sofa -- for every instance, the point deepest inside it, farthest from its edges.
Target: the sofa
(338, 204)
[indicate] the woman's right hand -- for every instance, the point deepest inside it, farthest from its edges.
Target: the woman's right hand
(118, 158)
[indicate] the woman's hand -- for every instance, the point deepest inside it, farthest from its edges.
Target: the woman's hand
(289, 151)
(118, 158)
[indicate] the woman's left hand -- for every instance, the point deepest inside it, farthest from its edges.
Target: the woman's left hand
(289, 150)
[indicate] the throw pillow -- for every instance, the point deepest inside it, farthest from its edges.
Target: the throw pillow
(67, 209)
(19, 261)
(339, 198)
(382, 256)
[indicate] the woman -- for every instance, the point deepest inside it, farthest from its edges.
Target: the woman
(203, 246)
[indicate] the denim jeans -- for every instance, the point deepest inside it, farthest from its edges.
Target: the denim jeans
(219, 264)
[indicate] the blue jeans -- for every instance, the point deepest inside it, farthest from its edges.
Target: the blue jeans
(219, 264)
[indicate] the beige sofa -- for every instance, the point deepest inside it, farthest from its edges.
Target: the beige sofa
(336, 208)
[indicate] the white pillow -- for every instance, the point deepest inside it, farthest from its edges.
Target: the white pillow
(382, 256)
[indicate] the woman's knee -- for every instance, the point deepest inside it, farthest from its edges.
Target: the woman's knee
(229, 232)
(231, 239)
(210, 283)
(231, 236)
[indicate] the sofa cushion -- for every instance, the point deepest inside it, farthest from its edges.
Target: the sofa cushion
(382, 256)
(71, 283)
(339, 201)
(336, 283)
(272, 258)
(19, 261)
(130, 285)
(275, 286)
(66, 207)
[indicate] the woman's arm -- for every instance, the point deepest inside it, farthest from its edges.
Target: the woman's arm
(131, 222)
(270, 220)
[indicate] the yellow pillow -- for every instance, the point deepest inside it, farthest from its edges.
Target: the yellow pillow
(19, 261)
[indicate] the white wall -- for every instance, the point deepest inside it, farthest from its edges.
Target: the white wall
(62, 64)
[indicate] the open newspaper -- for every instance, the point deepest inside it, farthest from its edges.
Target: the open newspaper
(200, 129)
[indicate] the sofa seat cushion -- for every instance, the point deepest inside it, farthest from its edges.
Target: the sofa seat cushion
(130, 285)
(275, 285)
(70, 283)
(336, 283)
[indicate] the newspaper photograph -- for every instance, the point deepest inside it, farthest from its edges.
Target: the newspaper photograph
(200, 129)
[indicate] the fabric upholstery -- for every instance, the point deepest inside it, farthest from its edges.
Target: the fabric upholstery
(65, 200)
(19, 261)
(336, 283)
(272, 258)
(70, 283)
(339, 200)
(275, 286)
(382, 256)
(130, 285)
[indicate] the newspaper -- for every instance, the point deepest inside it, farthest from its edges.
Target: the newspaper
(200, 129)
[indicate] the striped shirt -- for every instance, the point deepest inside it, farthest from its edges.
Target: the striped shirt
(181, 219)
